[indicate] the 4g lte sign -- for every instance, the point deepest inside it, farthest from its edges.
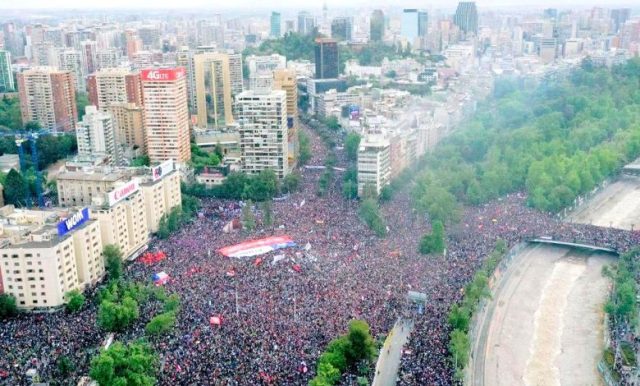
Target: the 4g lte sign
(162, 74)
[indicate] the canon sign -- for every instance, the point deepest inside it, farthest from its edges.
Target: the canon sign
(161, 170)
(122, 192)
(162, 74)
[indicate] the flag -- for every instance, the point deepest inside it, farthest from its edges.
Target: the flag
(215, 320)
(297, 268)
(258, 261)
(231, 272)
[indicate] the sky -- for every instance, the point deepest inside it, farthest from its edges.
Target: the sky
(286, 4)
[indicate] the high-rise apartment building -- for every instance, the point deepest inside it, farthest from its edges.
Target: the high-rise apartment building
(107, 58)
(212, 80)
(376, 26)
(6, 72)
(114, 85)
(276, 22)
(466, 18)
(327, 64)
(96, 135)
(89, 49)
(235, 73)
(129, 122)
(619, 16)
(285, 80)
(262, 115)
(71, 60)
(166, 118)
(47, 96)
(341, 28)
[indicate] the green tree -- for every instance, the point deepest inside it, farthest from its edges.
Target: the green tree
(16, 190)
(143, 160)
(459, 347)
(130, 365)
(361, 344)
(113, 261)
(161, 324)
(351, 145)
(433, 242)
(332, 123)
(172, 303)
(117, 316)
(8, 306)
(248, 218)
(370, 213)
(291, 183)
(75, 300)
(82, 101)
(262, 186)
(304, 153)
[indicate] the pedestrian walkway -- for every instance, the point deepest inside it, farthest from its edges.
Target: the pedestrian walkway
(391, 353)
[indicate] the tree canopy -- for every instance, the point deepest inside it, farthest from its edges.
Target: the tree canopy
(125, 365)
(556, 140)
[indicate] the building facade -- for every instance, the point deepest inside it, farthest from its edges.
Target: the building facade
(263, 131)
(7, 83)
(374, 165)
(166, 117)
(114, 85)
(48, 96)
(327, 64)
(286, 80)
(96, 135)
(376, 26)
(213, 90)
(276, 22)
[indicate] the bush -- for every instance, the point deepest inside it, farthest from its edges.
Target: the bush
(8, 306)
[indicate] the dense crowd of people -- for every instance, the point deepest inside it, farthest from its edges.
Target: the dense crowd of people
(276, 313)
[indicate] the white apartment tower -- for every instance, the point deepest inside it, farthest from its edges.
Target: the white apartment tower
(262, 115)
(96, 135)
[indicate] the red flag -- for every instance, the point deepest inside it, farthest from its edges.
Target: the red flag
(215, 320)
(258, 261)
(297, 268)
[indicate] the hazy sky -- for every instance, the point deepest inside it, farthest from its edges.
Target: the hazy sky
(284, 4)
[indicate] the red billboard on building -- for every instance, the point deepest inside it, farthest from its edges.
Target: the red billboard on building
(162, 74)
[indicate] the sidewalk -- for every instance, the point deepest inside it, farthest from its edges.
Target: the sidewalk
(391, 353)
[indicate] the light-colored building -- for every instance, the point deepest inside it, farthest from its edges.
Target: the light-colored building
(46, 253)
(96, 135)
(374, 165)
(78, 187)
(122, 218)
(235, 73)
(285, 80)
(129, 122)
(265, 64)
(47, 96)
(114, 85)
(107, 58)
(213, 89)
(71, 60)
(166, 117)
(161, 193)
(263, 131)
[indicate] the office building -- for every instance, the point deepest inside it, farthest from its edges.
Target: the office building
(7, 83)
(409, 28)
(262, 115)
(376, 26)
(423, 23)
(466, 18)
(306, 23)
(47, 96)
(374, 165)
(161, 193)
(265, 64)
(548, 50)
(114, 85)
(341, 28)
(212, 81)
(619, 16)
(276, 22)
(46, 253)
(107, 58)
(89, 50)
(286, 80)
(166, 118)
(96, 135)
(327, 64)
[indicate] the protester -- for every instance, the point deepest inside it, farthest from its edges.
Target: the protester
(249, 322)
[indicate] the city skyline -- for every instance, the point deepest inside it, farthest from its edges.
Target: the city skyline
(291, 4)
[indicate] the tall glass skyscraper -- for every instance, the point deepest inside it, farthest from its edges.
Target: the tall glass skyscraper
(6, 74)
(376, 33)
(409, 29)
(466, 18)
(275, 24)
